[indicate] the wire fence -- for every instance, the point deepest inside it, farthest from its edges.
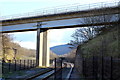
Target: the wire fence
(101, 68)
(62, 9)
(17, 65)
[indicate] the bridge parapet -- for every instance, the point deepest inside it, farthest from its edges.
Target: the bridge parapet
(64, 9)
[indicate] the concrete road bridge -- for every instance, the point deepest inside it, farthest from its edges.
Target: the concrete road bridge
(57, 18)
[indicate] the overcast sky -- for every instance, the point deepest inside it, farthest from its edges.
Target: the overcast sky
(28, 39)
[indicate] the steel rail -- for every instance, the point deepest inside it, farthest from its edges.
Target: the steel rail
(71, 70)
(49, 73)
(36, 75)
(41, 74)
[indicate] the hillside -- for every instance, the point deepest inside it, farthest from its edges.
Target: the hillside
(29, 53)
(7, 46)
(70, 57)
(104, 44)
(61, 49)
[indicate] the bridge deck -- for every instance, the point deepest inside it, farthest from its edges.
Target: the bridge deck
(68, 17)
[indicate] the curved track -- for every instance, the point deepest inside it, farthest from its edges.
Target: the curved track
(46, 74)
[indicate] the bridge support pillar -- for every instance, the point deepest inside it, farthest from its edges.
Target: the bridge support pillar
(42, 53)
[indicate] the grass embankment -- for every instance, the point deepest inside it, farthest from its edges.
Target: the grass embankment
(106, 43)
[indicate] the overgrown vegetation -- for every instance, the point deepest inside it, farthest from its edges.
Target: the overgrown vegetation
(106, 44)
(101, 42)
(97, 40)
(84, 34)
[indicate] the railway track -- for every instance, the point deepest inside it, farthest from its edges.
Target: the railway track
(43, 75)
(38, 74)
(48, 74)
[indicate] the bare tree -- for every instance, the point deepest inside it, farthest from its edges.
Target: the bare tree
(87, 33)
(5, 43)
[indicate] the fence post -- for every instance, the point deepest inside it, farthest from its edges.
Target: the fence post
(96, 67)
(83, 65)
(85, 68)
(55, 70)
(15, 65)
(24, 65)
(102, 68)
(9, 65)
(93, 68)
(2, 65)
(33, 63)
(30, 63)
(61, 68)
(111, 76)
(20, 65)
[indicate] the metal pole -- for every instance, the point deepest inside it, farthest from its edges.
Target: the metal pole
(93, 69)
(96, 72)
(55, 76)
(15, 65)
(9, 65)
(61, 68)
(38, 43)
(83, 66)
(15, 52)
(111, 76)
(3, 65)
(102, 68)
(28, 64)
(24, 65)
(31, 64)
(20, 65)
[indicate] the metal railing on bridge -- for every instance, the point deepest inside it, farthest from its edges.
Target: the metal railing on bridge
(63, 9)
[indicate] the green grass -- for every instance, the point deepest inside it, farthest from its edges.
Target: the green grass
(107, 41)
(15, 73)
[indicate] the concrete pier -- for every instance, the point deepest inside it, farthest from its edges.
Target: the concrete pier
(43, 52)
